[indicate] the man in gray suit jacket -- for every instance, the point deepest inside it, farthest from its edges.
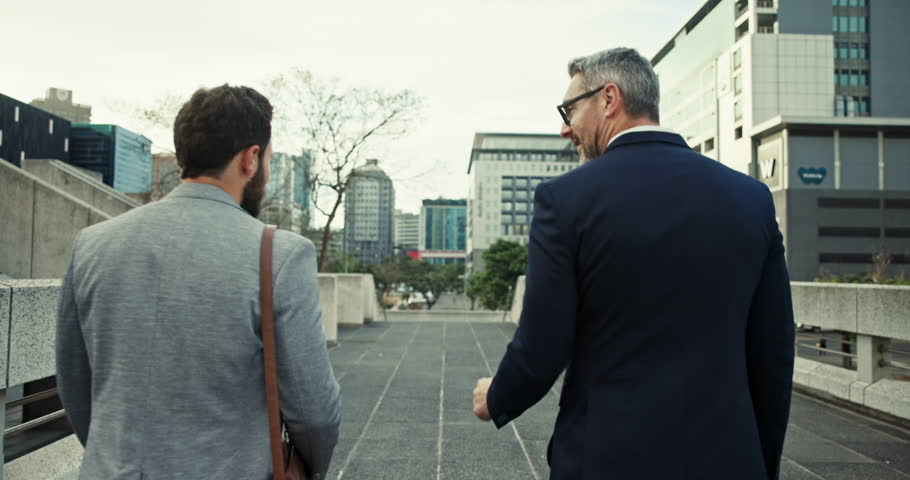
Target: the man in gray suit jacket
(159, 344)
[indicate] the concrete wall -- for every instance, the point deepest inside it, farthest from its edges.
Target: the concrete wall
(32, 307)
(40, 223)
(518, 300)
(328, 301)
(57, 461)
(76, 182)
(878, 310)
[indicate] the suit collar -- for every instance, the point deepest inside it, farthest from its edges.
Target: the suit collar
(632, 138)
(203, 191)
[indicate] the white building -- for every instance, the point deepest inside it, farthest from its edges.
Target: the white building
(505, 169)
(811, 97)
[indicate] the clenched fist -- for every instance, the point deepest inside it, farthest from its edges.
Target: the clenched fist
(480, 398)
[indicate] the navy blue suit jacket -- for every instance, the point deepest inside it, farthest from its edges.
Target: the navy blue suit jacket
(656, 279)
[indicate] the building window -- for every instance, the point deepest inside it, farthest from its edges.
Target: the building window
(738, 110)
(66, 144)
(854, 79)
(854, 50)
(844, 27)
(864, 78)
(737, 58)
(834, 24)
(854, 24)
(738, 132)
(697, 149)
(1, 138)
(863, 51)
(862, 24)
(738, 84)
(709, 144)
(16, 114)
(50, 127)
(844, 78)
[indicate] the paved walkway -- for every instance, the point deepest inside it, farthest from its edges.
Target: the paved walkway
(407, 415)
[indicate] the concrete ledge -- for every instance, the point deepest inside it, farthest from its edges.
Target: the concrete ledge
(518, 300)
(328, 303)
(889, 396)
(446, 316)
(81, 185)
(877, 310)
(32, 326)
(59, 460)
(5, 298)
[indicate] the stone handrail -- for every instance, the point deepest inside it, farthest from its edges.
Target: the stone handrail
(877, 314)
(28, 315)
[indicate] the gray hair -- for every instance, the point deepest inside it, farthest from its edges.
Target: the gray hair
(631, 72)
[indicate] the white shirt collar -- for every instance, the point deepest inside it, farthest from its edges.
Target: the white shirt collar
(640, 128)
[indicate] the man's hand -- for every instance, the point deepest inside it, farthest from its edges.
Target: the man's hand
(480, 398)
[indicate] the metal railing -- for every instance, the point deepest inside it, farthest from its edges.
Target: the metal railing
(37, 422)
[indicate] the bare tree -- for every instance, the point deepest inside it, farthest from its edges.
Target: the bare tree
(338, 126)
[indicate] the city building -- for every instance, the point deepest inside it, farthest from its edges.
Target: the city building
(407, 232)
(122, 157)
(30, 132)
(443, 231)
(368, 214)
(810, 97)
(336, 242)
(287, 200)
(165, 175)
(60, 102)
(505, 169)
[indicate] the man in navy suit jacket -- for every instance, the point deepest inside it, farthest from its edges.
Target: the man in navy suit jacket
(657, 280)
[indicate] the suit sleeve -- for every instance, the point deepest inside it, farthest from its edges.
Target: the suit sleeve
(74, 373)
(769, 350)
(542, 344)
(310, 396)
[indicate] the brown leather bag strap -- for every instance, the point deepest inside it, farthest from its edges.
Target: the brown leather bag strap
(269, 359)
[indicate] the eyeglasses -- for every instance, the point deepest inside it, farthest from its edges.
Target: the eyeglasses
(564, 105)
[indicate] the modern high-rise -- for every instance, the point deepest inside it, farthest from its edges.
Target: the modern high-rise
(369, 214)
(287, 199)
(30, 132)
(505, 169)
(122, 157)
(811, 97)
(60, 102)
(407, 232)
(443, 230)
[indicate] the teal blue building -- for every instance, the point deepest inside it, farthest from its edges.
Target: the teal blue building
(443, 231)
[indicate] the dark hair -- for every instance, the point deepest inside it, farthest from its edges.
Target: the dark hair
(217, 123)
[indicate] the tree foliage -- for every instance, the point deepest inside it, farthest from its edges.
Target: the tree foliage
(338, 127)
(504, 262)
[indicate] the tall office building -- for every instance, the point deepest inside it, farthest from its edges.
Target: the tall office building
(122, 157)
(368, 214)
(60, 102)
(30, 132)
(407, 232)
(809, 96)
(443, 225)
(287, 200)
(505, 169)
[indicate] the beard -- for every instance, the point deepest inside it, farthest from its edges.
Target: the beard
(254, 192)
(587, 152)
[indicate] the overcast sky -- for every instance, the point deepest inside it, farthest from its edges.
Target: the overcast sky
(482, 66)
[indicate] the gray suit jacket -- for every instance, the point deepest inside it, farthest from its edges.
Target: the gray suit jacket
(159, 348)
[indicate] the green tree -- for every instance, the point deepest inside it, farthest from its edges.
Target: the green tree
(434, 280)
(505, 261)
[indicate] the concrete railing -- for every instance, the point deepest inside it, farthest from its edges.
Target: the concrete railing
(81, 184)
(39, 222)
(877, 314)
(28, 315)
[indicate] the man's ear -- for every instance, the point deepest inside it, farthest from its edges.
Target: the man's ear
(249, 162)
(612, 100)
